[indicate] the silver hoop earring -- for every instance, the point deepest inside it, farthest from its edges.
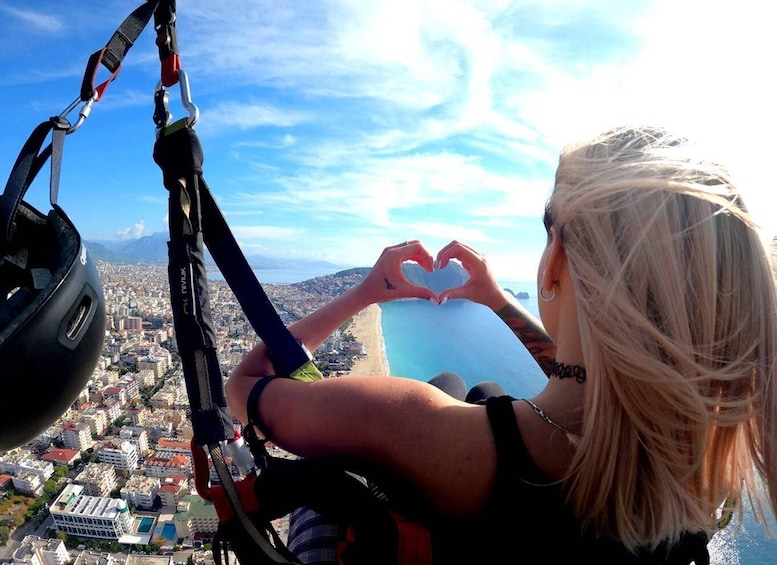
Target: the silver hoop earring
(552, 294)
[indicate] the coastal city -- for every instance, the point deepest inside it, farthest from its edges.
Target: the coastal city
(111, 481)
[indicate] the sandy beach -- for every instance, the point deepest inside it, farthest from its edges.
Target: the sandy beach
(367, 330)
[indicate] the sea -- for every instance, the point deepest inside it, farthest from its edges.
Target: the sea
(422, 339)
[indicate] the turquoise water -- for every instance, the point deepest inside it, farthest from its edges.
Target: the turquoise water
(422, 340)
(145, 525)
(458, 336)
(169, 532)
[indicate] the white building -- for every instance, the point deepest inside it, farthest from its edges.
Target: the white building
(98, 479)
(28, 483)
(22, 460)
(77, 435)
(146, 377)
(161, 465)
(157, 365)
(97, 419)
(172, 491)
(37, 551)
(173, 445)
(112, 409)
(137, 437)
(80, 515)
(131, 386)
(123, 457)
(52, 433)
(140, 491)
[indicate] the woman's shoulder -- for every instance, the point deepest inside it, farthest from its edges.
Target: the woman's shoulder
(528, 446)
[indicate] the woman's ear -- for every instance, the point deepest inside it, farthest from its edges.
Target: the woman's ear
(555, 261)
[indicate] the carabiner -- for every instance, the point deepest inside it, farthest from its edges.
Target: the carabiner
(186, 97)
(83, 113)
(162, 114)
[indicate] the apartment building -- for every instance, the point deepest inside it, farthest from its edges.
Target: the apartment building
(37, 551)
(77, 435)
(97, 479)
(81, 515)
(140, 491)
(123, 457)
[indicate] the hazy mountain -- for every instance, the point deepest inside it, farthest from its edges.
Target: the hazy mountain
(147, 249)
(153, 249)
(452, 275)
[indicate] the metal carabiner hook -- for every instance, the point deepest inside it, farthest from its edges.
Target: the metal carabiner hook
(186, 98)
(83, 113)
(162, 114)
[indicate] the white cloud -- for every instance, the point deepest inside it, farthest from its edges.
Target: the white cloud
(232, 115)
(248, 233)
(133, 232)
(38, 20)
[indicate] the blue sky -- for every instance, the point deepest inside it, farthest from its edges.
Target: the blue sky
(332, 129)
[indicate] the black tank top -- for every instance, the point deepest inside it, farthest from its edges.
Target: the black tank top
(526, 514)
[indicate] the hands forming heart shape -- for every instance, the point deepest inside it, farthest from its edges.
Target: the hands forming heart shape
(409, 270)
(439, 280)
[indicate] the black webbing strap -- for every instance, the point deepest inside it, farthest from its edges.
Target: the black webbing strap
(114, 51)
(195, 334)
(195, 221)
(30, 160)
(179, 153)
(31, 157)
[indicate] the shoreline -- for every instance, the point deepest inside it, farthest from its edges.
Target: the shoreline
(367, 330)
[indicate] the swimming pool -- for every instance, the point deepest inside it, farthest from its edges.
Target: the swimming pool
(145, 525)
(169, 532)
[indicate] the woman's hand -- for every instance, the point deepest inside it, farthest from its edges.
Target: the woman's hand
(386, 282)
(481, 287)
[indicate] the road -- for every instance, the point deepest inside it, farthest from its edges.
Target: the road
(36, 527)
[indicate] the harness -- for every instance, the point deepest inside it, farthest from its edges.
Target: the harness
(270, 487)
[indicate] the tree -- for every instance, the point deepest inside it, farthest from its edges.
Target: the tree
(50, 488)
(5, 533)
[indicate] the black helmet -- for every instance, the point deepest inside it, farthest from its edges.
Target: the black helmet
(52, 316)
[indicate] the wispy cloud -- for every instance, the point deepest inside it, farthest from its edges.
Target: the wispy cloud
(333, 128)
(37, 20)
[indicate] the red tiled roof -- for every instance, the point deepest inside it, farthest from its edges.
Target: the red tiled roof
(61, 455)
(173, 443)
(170, 488)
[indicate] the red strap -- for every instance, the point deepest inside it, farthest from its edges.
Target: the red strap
(216, 494)
(415, 542)
(170, 67)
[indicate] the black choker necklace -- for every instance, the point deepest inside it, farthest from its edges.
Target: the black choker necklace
(563, 371)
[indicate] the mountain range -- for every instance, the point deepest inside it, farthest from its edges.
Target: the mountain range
(153, 249)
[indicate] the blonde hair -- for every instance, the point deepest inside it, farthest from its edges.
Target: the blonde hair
(678, 317)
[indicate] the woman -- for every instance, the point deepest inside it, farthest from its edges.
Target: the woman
(658, 332)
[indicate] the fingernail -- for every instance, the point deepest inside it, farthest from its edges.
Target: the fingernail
(437, 264)
(443, 301)
(434, 301)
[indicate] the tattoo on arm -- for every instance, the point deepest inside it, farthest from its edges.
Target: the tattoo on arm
(389, 286)
(531, 334)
